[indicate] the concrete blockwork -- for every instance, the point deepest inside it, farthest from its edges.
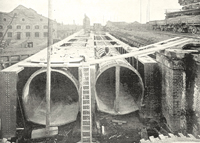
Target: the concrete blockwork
(173, 90)
(64, 97)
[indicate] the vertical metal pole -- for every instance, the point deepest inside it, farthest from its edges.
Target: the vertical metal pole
(149, 9)
(48, 82)
(117, 88)
(140, 11)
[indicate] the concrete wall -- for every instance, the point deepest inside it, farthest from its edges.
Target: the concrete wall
(193, 93)
(180, 89)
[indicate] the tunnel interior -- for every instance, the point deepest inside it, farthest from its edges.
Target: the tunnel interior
(64, 99)
(130, 91)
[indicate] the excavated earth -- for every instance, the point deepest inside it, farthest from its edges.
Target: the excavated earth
(141, 34)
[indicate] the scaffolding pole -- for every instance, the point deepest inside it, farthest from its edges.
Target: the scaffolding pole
(48, 79)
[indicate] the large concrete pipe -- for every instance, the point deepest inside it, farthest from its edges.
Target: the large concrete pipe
(119, 87)
(64, 97)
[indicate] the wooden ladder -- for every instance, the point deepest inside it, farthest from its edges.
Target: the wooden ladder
(86, 117)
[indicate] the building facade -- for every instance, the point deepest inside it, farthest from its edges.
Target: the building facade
(24, 24)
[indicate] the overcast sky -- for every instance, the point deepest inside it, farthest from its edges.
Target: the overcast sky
(101, 11)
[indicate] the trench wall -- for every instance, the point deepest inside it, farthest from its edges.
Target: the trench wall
(148, 68)
(180, 89)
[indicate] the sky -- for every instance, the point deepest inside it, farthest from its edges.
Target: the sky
(99, 11)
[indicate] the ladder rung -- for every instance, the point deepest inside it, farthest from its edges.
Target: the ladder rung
(86, 139)
(86, 77)
(86, 107)
(86, 118)
(86, 91)
(86, 136)
(86, 128)
(86, 83)
(86, 133)
(86, 123)
(86, 101)
(86, 68)
(86, 97)
(86, 112)
(86, 87)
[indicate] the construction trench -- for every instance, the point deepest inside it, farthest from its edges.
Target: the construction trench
(130, 101)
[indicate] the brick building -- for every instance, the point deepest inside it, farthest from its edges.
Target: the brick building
(25, 24)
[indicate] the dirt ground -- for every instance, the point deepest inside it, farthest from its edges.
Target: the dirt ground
(143, 34)
(116, 132)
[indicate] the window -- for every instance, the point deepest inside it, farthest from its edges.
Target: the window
(37, 34)
(9, 34)
(18, 27)
(1, 34)
(23, 19)
(28, 27)
(4, 19)
(36, 26)
(41, 19)
(28, 34)
(1, 27)
(45, 27)
(9, 27)
(45, 34)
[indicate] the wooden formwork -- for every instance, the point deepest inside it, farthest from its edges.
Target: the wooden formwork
(148, 68)
(6, 61)
(8, 103)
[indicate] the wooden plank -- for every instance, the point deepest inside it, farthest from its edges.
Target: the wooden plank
(8, 103)
(191, 136)
(160, 43)
(13, 68)
(119, 121)
(162, 137)
(181, 135)
(109, 46)
(142, 52)
(52, 65)
(172, 135)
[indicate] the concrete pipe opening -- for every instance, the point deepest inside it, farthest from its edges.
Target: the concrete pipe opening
(119, 87)
(64, 97)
